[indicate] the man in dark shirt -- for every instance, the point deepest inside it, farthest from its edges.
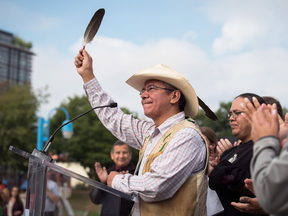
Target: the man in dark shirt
(227, 178)
(121, 154)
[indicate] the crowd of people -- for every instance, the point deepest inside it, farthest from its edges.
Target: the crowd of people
(10, 202)
(177, 157)
(12, 205)
(183, 169)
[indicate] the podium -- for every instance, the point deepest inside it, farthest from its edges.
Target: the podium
(39, 163)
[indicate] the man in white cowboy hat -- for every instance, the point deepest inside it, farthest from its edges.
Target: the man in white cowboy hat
(172, 169)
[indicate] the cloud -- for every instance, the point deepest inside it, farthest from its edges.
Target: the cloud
(263, 72)
(237, 34)
(114, 61)
(248, 24)
(52, 68)
(260, 71)
(251, 56)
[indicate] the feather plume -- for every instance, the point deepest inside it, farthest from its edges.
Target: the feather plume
(93, 26)
(208, 112)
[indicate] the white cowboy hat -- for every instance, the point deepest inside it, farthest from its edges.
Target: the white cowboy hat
(164, 73)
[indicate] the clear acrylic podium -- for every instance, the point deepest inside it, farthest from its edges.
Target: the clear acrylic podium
(37, 183)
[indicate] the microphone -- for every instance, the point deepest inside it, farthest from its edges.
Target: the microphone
(48, 143)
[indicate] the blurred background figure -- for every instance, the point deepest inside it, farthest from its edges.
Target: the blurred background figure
(14, 207)
(227, 177)
(213, 204)
(247, 204)
(52, 196)
(269, 163)
(211, 139)
(4, 196)
(121, 154)
(271, 100)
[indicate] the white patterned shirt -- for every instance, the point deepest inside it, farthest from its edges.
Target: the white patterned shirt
(183, 157)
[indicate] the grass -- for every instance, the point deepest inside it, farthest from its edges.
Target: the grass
(80, 203)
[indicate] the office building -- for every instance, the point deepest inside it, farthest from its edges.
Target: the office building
(15, 61)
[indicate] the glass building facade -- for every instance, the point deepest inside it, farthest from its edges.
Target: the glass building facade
(15, 62)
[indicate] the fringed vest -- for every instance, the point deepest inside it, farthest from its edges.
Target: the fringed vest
(190, 199)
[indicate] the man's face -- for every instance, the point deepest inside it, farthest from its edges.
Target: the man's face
(240, 127)
(155, 102)
(121, 155)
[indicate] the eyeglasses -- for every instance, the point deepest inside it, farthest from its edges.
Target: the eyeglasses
(153, 88)
(234, 114)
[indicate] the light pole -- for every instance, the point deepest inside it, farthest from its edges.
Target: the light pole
(67, 130)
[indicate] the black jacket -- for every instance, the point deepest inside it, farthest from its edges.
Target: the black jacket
(110, 202)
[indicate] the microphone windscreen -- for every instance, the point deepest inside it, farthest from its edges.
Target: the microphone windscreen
(113, 104)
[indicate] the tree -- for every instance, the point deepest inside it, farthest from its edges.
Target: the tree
(91, 141)
(18, 118)
(21, 43)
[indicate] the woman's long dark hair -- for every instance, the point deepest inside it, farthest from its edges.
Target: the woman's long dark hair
(17, 198)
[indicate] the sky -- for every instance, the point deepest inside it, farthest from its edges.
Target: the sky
(223, 47)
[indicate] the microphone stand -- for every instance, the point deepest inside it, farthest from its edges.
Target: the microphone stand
(48, 143)
(37, 173)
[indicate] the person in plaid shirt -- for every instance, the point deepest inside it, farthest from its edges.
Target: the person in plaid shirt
(164, 184)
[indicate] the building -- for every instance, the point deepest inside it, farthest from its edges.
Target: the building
(15, 61)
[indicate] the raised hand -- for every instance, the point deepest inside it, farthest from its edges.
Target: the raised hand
(102, 173)
(223, 145)
(249, 109)
(83, 63)
(265, 123)
(213, 164)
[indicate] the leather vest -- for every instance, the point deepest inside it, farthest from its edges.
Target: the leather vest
(190, 199)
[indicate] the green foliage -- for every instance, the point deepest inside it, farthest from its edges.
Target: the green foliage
(21, 43)
(126, 111)
(19, 105)
(222, 126)
(90, 142)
